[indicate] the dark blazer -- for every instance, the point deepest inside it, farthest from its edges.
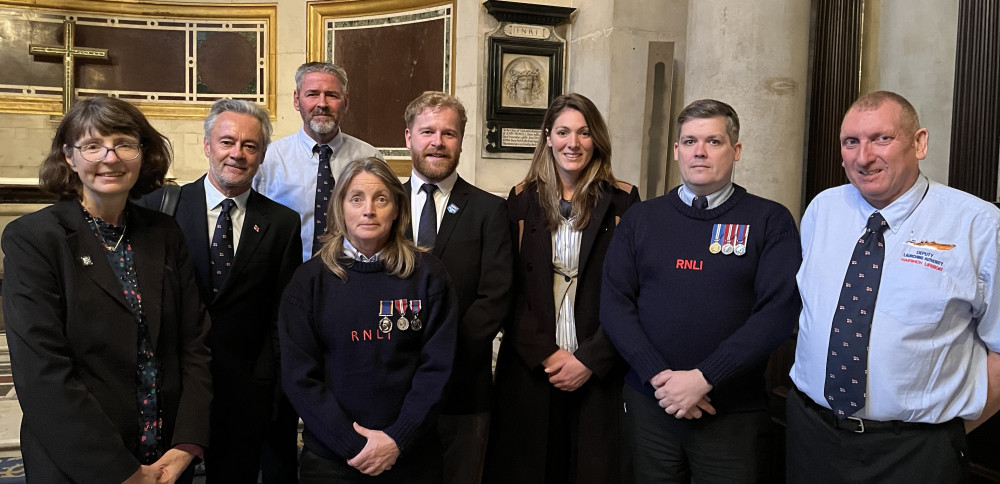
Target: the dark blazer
(73, 343)
(243, 336)
(519, 428)
(474, 243)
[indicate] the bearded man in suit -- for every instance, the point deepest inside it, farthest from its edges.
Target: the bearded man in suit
(466, 228)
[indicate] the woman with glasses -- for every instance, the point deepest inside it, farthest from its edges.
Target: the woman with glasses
(105, 328)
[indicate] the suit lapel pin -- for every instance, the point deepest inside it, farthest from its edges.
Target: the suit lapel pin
(86, 261)
(256, 228)
(452, 208)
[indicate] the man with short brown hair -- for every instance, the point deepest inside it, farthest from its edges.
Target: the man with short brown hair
(698, 290)
(466, 228)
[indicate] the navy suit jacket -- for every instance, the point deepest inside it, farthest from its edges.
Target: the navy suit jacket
(244, 313)
(474, 243)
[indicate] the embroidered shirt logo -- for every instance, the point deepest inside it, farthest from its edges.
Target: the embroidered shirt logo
(926, 253)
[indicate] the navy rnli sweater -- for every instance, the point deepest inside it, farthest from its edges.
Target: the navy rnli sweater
(668, 302)
(339, 367)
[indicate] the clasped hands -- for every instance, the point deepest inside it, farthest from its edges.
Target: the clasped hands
(683, 394)
(565, 371)
(378, 455)
(166, 470)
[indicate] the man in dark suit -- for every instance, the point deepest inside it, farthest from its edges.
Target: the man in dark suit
(466, 228)
(245, 248)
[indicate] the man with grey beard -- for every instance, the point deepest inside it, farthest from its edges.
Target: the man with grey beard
(299, 170)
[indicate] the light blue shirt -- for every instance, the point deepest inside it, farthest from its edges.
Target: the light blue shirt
(715, 198)
(352, 253)
(288, 174)
(938, 306)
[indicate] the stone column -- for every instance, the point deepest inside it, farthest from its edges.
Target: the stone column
(753, 55)
(609, 56)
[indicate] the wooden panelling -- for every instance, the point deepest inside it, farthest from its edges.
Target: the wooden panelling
(975, 128)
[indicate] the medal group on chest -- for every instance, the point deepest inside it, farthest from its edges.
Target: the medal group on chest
(402, 307)
(729, 239)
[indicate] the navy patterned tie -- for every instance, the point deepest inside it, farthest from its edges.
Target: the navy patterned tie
(222, 246)
(324, 186)
(847, 361)
(428, 218)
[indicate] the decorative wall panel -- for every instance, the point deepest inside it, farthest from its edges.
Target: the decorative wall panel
(392, 51)
(172, 60)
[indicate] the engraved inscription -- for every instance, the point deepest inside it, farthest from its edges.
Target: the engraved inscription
(526, 31)
(519, 137)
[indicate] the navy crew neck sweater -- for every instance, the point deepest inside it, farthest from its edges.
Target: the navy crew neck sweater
(339, 368)
(669, 303)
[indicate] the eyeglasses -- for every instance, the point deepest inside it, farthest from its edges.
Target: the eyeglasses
(93, 152)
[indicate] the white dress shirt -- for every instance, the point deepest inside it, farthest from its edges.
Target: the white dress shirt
(418, 196)
(566, 242)
(213, 202)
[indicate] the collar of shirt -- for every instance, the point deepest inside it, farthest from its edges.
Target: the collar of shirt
(213, 204)
(714, 199)
(353, 253)
(417, 197)
(896, 212)
(308, 143)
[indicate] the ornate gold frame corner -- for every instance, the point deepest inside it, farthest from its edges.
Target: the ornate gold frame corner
(267, 12)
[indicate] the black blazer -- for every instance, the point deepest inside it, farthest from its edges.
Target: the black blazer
(520, 424)
(474, 243)
(73, 342)
(534, 325)
(244, 313)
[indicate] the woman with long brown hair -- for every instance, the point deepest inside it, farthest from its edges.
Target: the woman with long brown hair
(559, 408)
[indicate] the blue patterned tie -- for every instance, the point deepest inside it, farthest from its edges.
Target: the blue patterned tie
(428, 218)
(324, 186)
(222, 246)
(847, 361)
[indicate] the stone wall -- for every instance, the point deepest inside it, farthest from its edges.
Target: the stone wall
(608, 51)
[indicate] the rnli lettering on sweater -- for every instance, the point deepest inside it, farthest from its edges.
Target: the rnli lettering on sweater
(689, 265)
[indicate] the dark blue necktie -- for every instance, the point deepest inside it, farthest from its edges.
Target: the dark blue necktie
(222, 246)
(324, 186)
(847, 360)
(428, 218)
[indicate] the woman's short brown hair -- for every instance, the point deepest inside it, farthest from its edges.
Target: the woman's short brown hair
(106, 116)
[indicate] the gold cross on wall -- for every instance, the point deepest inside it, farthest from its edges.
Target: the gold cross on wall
(69, 52)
